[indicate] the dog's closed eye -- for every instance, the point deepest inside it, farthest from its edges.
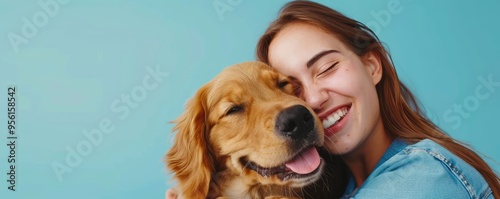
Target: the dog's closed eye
(234, 109)
(283, 83)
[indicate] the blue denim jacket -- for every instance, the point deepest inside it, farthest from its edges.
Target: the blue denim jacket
(421, 170)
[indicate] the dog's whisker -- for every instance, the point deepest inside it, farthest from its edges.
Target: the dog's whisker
(244, 167)
(331, 141)
(324, 182)
(308, 194)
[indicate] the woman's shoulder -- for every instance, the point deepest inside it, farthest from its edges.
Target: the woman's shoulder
(426, 165)
(433, 154)
(426, 144)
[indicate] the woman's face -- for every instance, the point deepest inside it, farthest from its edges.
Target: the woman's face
(335, 82)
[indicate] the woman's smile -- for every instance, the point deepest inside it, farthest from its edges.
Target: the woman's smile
(335, 120)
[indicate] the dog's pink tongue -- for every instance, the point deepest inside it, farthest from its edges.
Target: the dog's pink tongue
(306, 162)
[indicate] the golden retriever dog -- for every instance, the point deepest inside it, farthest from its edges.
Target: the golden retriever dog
(244, 135)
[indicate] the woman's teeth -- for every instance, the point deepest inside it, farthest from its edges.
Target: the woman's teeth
(334, 117)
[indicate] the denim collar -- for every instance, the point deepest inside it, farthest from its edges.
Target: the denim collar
(396, 146)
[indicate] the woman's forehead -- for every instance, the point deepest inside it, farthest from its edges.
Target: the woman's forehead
(298, 43)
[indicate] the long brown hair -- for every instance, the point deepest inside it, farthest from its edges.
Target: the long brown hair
(400, 111)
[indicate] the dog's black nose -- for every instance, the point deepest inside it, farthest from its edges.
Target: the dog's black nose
(295, 122)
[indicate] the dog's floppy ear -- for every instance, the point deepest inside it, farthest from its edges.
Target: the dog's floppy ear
(189, 158)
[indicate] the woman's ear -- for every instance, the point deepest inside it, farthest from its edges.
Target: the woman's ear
(189, 157)
(374, 65)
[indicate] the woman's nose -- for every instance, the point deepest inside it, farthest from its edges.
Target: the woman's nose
(315, 97)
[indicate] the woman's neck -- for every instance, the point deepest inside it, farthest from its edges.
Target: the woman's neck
(362, 161)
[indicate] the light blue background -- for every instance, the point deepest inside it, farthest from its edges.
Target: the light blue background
(90, 53)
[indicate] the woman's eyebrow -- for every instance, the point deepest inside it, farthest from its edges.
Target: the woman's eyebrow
(318, 56)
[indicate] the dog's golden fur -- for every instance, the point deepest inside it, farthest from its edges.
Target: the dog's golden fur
(230, 119)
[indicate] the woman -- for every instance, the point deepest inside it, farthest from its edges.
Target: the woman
(372, 121)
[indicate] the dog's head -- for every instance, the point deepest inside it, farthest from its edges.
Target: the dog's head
(246, 120)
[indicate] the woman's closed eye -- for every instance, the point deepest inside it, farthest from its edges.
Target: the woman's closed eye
(328, 69)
